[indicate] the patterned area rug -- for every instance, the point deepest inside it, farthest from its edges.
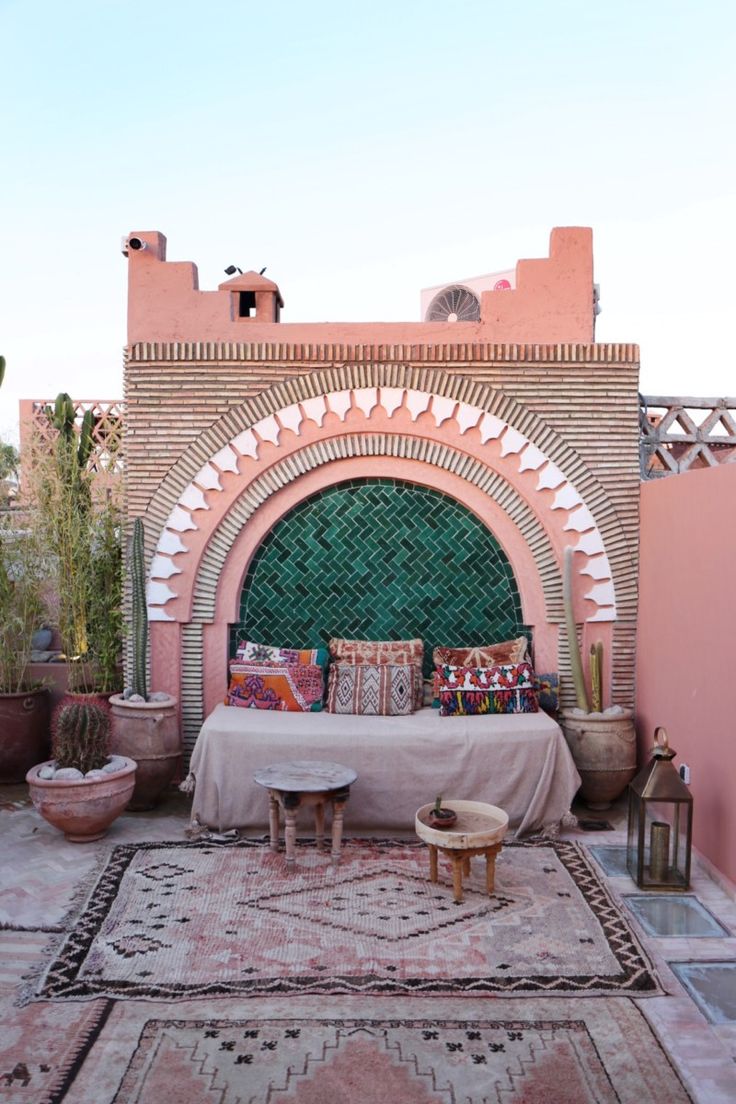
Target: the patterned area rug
(171, 921)
(505, 1051)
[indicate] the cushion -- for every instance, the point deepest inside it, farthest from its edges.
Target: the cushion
(483, 655)
(384, 689)
(382, 652)
(296, 688)
(506, 688)
(548, 692)
(250, 652)
(480, 655)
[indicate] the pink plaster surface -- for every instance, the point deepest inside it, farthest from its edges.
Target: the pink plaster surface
(552, 302)
(685, 646)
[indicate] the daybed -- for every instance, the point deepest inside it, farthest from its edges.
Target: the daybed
(519, 762)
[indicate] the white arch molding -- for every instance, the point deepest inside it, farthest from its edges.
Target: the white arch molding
(170, 558)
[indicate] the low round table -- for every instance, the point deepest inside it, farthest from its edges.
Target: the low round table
(305, 783)
(478, 830)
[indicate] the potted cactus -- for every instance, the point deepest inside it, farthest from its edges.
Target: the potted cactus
(602, 741)
(440, 816)
(82, 789)
(144, 725)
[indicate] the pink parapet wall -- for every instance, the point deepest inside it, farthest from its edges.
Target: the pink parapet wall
(685, 643)
(552, 303)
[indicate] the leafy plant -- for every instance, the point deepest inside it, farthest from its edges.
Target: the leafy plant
(22, 608)
(82, 736)
(83, 539)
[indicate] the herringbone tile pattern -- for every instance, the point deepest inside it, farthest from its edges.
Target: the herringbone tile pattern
(379, 560)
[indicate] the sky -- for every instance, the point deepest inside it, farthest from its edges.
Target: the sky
(363, 152)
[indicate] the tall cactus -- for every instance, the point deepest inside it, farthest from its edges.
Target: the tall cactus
(82, 735)
(576, 662)
(596, 675)
(139, 615)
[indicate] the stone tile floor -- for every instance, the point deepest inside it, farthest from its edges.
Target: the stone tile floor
(40, 874)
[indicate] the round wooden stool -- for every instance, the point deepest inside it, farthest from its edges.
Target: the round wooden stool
(478, 830)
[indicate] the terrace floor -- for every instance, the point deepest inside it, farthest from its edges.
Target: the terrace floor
(695, 1021)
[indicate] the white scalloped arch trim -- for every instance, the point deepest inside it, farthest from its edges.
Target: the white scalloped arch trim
(441, 408)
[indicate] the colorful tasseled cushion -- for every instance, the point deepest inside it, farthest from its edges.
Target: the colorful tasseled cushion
(480, 655)
(380, 652)
(385, 689)
(295, 688)
(466, 691)
(250, 652)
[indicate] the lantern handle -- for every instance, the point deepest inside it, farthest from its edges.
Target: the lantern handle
(664, 741)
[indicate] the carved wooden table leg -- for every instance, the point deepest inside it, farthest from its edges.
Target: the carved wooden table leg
(338, 811)
(491, 868)
(458, 861)
(291, 804)
(433, 876)
(273, 820)
(319, 824)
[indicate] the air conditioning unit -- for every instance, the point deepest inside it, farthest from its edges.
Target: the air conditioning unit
(460, 301)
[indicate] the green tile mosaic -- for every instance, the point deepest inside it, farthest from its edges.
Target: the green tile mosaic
(379, 560)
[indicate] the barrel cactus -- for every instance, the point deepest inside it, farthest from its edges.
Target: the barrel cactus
(82, 736)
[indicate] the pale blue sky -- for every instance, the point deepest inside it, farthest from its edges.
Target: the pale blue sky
(362, 153)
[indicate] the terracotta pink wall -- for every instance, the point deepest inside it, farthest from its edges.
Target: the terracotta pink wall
(685, 646)
(552, 302)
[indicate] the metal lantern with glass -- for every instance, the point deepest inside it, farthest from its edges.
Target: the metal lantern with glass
(660, 822)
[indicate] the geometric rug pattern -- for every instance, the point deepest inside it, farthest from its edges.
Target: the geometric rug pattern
(379, 559)
(508, 1051)
(180, 920)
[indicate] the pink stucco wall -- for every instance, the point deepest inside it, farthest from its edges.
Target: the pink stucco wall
(552, 302)
(685, 646)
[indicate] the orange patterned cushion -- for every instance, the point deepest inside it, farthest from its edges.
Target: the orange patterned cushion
(483, 655)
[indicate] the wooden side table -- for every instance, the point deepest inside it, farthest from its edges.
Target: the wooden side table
(306, 783)
(478, 830)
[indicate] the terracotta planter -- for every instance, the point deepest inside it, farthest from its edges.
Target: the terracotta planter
(149, 733)
(82, 809)
(24, 732)
(604, 749)
(446, 818)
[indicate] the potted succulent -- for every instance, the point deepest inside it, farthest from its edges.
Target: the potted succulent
(144, 725)
(82, 789)
(602, 741)
(441, 817)
(24, 704)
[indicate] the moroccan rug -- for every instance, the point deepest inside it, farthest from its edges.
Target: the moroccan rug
(366, 1050)
(173, 921)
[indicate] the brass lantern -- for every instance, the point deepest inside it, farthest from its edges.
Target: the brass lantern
(660, 822)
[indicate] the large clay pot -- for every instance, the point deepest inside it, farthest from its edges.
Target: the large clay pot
(24, 732)
(149, 733)
(603, 746)
(82, 809)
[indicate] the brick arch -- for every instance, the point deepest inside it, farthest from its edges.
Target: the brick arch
(448, 396)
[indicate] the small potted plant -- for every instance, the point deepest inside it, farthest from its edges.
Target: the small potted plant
(144, 725)
(441, 817)
(82, 789)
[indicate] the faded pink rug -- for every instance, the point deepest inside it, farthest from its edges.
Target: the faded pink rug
(173, 921)
(370, 1051)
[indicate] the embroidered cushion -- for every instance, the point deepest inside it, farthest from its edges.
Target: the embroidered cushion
(506, 688)
(295, 688)
(250, 652)
(480, 655)
(385, 689)
(381, 652)
(483, 655)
